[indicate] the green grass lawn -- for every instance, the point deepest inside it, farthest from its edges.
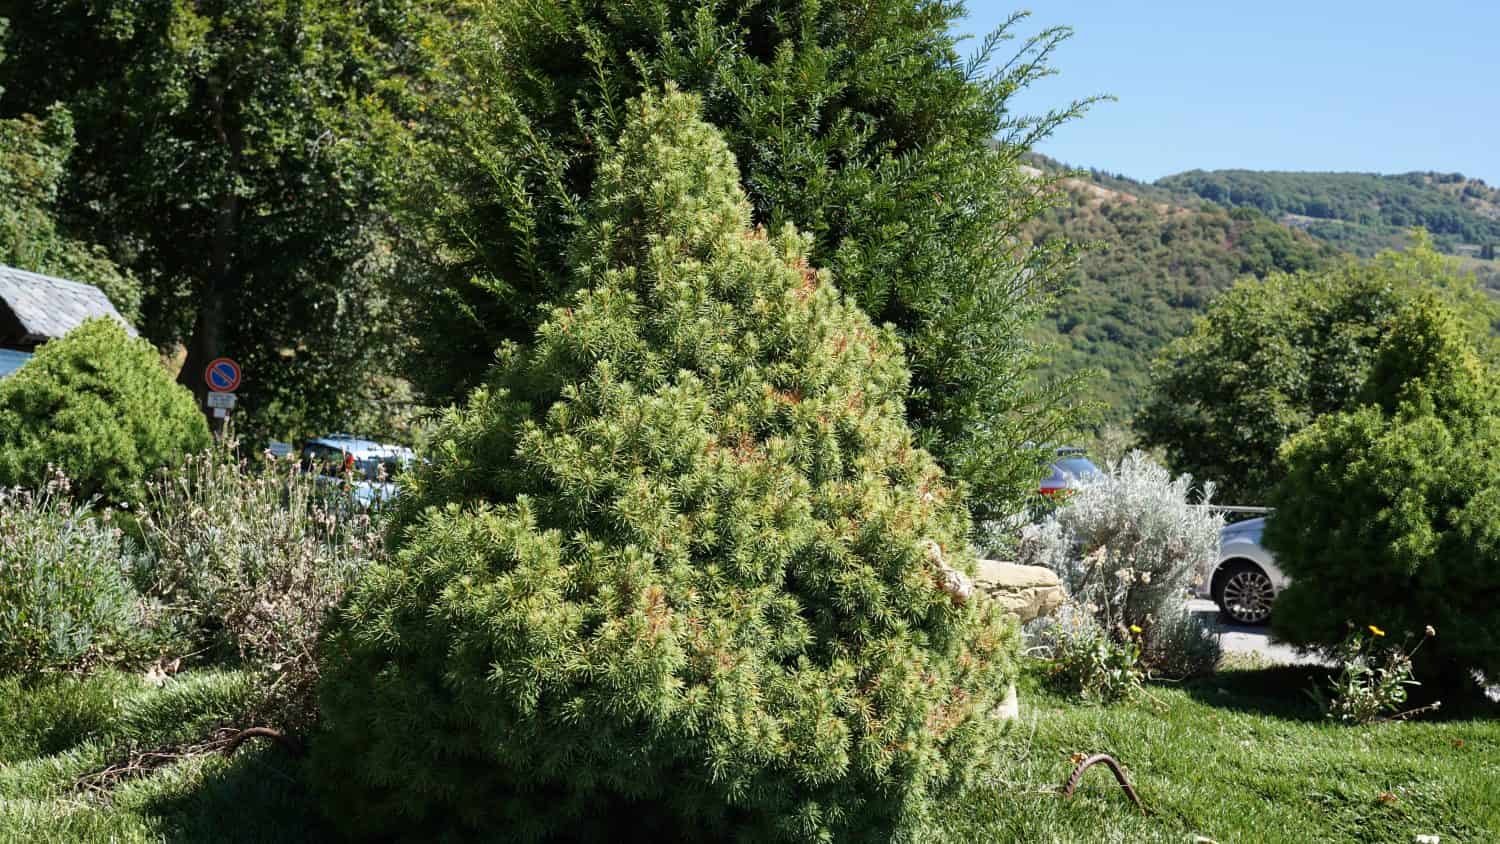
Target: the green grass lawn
(1245, 757)
(1241, 757)
(56, 732)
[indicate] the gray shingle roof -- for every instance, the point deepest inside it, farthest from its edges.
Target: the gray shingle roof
(48, 307)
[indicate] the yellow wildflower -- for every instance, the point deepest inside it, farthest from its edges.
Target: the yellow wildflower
(1135, 629)
(1376, 630)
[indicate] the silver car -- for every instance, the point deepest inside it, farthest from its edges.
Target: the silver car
(370, 467)
(1244, 581)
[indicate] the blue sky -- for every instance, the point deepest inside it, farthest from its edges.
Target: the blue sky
(1370, 86)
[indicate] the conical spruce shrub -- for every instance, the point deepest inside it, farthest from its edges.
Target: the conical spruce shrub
(677, 571)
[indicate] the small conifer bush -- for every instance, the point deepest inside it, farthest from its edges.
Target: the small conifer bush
(1390, 514)
(98, 406)
(677, 570)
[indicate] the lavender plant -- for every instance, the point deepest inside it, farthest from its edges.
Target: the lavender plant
(250, 559)
(65, 596)
(1127, 547)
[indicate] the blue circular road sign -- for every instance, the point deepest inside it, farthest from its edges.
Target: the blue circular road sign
(222, 375)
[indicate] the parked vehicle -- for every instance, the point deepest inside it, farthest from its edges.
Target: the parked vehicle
(369, 467)
(1244, 581)
(1070, 470)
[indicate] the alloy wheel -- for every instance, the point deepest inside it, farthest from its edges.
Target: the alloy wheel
(1248, 596)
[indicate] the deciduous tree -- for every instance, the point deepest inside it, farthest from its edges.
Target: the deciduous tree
(229, 153)
(34, 152)
(1270, 357)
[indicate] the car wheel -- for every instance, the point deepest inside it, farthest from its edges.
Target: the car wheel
(1245, 593)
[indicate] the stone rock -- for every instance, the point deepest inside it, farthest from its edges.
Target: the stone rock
(1027, 592)
(1010, 708)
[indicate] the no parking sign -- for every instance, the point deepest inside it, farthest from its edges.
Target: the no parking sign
(222, 375)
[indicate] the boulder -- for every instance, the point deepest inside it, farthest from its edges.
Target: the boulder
(1027, 592)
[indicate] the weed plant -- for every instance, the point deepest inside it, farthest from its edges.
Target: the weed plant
(248, 561)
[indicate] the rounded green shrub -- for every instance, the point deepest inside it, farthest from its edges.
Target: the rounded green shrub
(66, 600)
(1390, 515)
(98, 406)
(677, 570)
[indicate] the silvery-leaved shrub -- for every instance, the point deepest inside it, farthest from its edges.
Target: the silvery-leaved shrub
(678, 572)
(1128, 547)
(248, 560)
(66, 600)
(1180, 644)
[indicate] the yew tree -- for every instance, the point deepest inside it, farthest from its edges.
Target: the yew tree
(677, 567)
(862, 123)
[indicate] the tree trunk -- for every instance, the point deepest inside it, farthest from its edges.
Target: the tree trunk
(207, 340)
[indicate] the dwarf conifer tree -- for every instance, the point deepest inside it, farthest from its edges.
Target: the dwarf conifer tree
(677, 569)
(1390, 514)
(98, 406)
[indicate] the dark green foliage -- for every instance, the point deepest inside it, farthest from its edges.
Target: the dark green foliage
(232, 155)
(1389, 515)
(677, 569)
(65, 595)
(858, 122)
(98, 406)
(33, 158)
(1270, 357)
(1155, 266)
(1361, 212)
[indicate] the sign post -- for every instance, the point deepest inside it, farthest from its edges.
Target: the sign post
(222, 375)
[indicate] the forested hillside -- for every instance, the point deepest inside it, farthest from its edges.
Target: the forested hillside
(1153, 266)
(1361, 212)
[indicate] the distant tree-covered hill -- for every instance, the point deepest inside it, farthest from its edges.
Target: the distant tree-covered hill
(1154, 266)
(1360, 212)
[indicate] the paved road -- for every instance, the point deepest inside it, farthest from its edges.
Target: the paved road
(1237, 638)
